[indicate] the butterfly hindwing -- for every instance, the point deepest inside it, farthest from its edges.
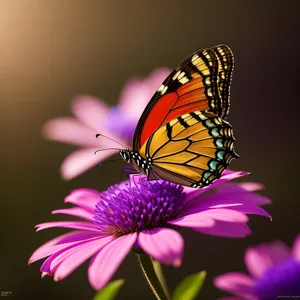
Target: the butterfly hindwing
(193, 149)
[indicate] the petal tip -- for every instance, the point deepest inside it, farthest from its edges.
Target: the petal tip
(177, 262)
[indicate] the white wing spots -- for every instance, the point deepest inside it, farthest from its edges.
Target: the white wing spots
(209, 93)
(162, 89)
(220, 50)
(181, 77)
(176, 75)
(184, 80)
(196, 60)
(195, 57)
(207, 81)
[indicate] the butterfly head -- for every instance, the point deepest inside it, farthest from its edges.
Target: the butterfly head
(126, 155)
(142, 165)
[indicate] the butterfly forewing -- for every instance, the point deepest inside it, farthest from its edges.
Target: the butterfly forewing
(225, 70)
(192, 86)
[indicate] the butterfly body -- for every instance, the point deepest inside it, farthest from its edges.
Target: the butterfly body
(140, 164)
(182, 135)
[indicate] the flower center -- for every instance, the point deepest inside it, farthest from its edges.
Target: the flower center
(281, 280)
(143, 205)
(119, 124)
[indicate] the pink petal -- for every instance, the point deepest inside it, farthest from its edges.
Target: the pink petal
(251, 186)
(105, 263)
(260, 258)
(72, 239)
(58, 256)
(226, 229)
(227, 175)
(251, 209)
(193, 221)
(90, 111)
(234, 197)
(69, 130)
(81, 160)
(220, 214)
(236, 283)
(231, 188)
(296, 248)
(76, 212)
(164, 244)
(85, 198)
(51, 264)
(76, 256)
(68, 224)
(137, 92)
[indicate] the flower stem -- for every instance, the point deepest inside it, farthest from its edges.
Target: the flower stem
(151, 276)
(161, 277)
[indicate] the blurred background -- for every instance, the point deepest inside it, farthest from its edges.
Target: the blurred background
(52, 51)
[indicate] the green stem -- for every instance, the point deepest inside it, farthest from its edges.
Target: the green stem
(151, 276)
(161, 277)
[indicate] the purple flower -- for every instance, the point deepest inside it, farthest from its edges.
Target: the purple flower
(144, 215)
(274, 269)
(91, 116)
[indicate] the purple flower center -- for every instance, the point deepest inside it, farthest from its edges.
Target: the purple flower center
(143, 205)
(120, 124)
(281, 280)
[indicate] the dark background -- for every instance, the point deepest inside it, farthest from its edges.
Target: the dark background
(51, 51)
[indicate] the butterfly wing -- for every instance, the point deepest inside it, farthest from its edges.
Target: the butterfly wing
(192, 86)
(192, 150)
(225, 69)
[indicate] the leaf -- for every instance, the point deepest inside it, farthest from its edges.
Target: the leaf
(110, 291)
(189, 287)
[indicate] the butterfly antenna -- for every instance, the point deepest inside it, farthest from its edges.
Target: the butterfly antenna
(106, 149)
(100, 134)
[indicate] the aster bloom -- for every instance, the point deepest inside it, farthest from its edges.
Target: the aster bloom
(92, 115)
(274, 271)
(144, 216)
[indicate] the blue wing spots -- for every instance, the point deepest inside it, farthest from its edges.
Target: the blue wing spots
(207, 174)
(213, 165)
(209, 123)
(219, 143)
(221, 154)
(215, 132)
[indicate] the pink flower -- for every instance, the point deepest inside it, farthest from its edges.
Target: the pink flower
(144, 215)
(274, 271)
(91, 116)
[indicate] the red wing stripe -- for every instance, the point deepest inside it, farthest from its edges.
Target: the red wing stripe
(157, 115)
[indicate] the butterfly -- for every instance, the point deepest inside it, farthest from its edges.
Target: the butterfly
(182, 136)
